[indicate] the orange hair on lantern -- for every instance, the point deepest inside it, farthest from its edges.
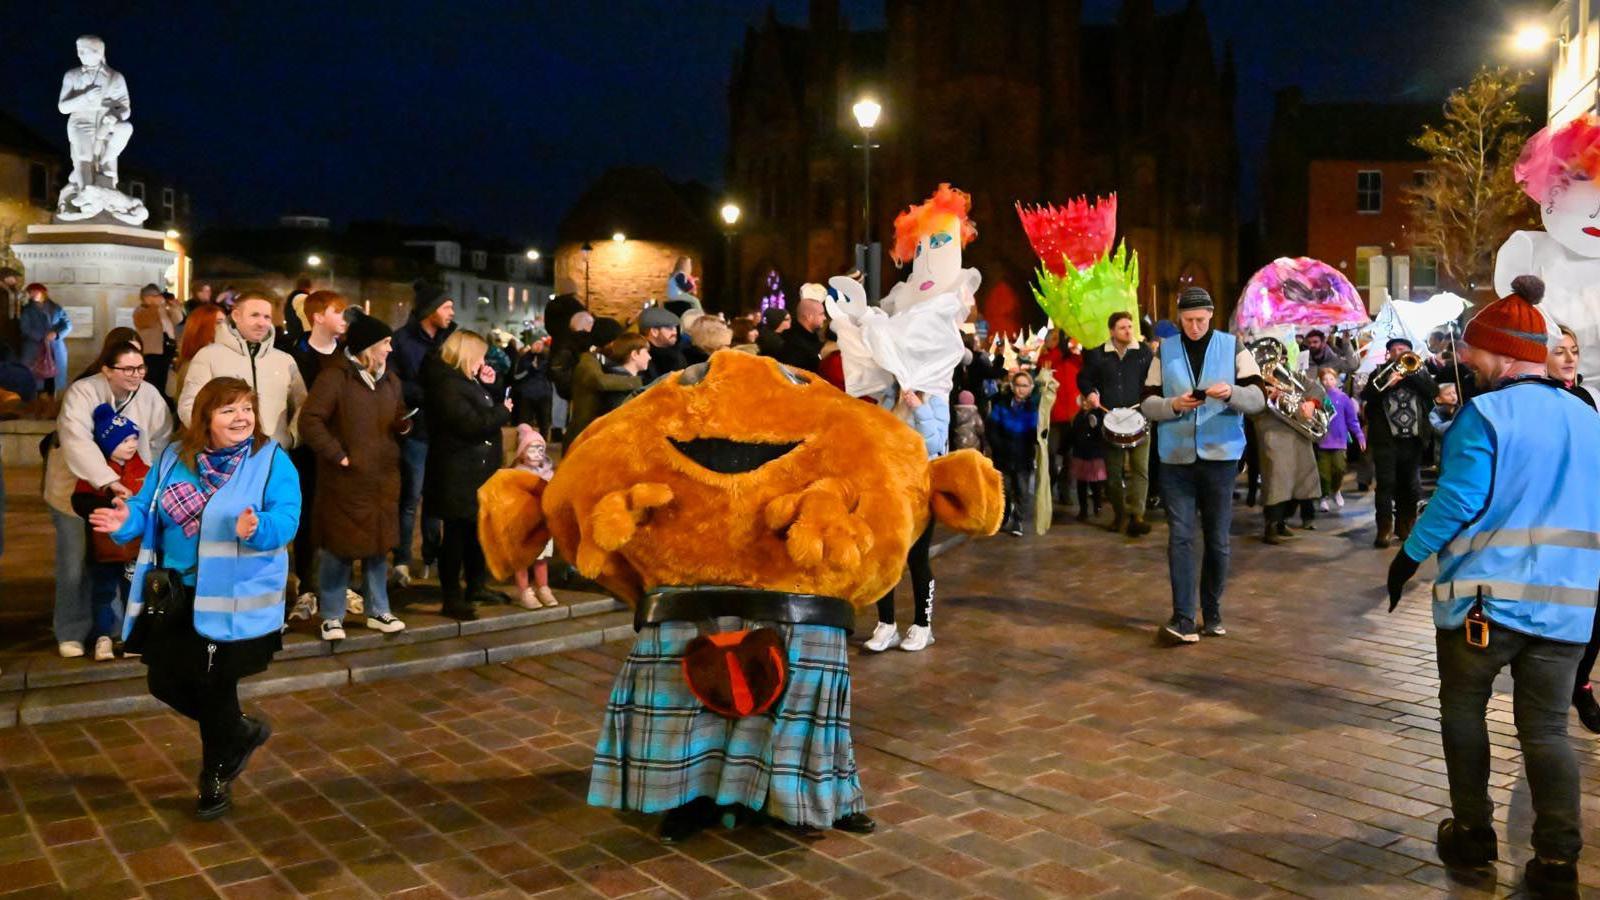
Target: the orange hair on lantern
(928, 218)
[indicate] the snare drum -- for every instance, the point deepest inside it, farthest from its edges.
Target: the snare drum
(1125, 428)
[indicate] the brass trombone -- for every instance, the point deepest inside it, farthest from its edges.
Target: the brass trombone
(1407, 365)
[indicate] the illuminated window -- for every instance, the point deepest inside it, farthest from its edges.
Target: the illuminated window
(1369, 191)
(772, 296)
(1364, 257)
(1425, 270)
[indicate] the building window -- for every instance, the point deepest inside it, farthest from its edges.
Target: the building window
(1369, 191)
(1364, 257)
(773, 297)
(38, 184)
(169, 204)
(1425, 270)
(186, 206)
(136, 191)
(480, 260)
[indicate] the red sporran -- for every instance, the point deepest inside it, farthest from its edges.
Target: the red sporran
(737, 673)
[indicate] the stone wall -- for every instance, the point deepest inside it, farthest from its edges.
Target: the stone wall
(623, 275)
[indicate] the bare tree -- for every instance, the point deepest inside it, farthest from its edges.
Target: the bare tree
(1469, 202)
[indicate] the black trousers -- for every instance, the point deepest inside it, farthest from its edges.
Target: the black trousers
(459, 549)
(1590, 652)
(210, 700)
(1397, 464)
(304, 549)
(921, 583)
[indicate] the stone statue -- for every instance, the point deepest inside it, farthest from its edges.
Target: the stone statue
(94, 98)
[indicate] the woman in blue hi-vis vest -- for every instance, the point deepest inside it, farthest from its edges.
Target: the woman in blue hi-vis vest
(219, 511)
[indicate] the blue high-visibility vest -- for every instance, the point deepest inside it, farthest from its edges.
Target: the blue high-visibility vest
(1214, 430)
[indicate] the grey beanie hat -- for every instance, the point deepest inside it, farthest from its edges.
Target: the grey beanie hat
(657, 317)
(1195, 298)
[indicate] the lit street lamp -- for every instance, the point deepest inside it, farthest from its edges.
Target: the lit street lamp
(618, 236)
(314, 261)
(1530, 39)
(730, 218)
(867, 110)
(533, 256)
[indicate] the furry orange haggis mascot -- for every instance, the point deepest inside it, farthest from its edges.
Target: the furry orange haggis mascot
(745, 511)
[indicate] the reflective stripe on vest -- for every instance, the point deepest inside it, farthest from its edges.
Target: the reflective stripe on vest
(1525, 537)
(1513, 591)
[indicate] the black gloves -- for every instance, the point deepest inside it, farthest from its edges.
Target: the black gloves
(1400, 571)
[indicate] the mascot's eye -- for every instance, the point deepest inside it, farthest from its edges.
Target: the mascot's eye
(938, 240)
(791, 375)
(694, 374)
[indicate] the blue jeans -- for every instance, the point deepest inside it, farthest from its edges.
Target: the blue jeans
(333, 577)
(413, 462)
(1206, 487)
(73, 618)
(1541, 685)
(108, 592)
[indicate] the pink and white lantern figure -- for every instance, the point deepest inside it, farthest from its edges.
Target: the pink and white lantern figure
(1299, 291)
(1560, 169)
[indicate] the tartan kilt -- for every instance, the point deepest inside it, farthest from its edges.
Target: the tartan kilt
(660, 748)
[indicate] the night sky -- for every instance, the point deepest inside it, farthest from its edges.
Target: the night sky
(495, 115)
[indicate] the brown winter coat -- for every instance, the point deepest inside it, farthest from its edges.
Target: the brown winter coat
(357, 508)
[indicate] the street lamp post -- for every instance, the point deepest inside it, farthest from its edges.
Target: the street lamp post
(314, 261)
(730, 293)
(866, 111)
(587, 250)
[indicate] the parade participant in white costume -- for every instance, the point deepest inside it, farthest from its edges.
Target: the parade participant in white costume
(913, 341)
(1560, 169)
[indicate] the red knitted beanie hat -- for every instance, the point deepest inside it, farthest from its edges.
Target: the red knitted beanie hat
(1513, 325)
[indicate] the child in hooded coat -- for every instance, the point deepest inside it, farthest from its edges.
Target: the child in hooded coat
(966, 431)
(533, 456)
(110, 563)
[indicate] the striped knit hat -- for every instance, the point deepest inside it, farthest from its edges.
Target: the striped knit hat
(1194, 298)
(1513, 326)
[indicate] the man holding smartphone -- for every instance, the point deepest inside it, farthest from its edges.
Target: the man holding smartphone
(1201, 385)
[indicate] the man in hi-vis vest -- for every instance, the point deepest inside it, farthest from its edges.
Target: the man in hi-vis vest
(1516, 525)
(1201, 385)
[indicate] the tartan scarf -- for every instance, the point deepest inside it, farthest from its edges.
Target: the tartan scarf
(184, 503)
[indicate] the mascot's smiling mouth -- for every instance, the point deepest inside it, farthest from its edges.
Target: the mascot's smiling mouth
(730, 457)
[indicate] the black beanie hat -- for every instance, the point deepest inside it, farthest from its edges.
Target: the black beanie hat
(1195, 298)
(605, 331)
(429, 297)
(364, 332)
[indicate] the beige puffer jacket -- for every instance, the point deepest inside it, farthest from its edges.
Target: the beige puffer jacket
(272, 372)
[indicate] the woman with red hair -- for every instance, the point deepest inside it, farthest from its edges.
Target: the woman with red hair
(199, 332)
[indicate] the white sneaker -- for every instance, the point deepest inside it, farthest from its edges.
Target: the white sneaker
(304, 606)
(386, 624)
(884, 637)
(918, 637)
(547, 596)
(333, 629)
(529, 599)
(1323, 504)
(102, 649)
(1338, 499)
(354, 602)
(70, 649)
(402, 575)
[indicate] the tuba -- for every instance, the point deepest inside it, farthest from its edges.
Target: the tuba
(1275, 371)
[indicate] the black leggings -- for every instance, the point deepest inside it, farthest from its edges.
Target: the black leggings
(921, 584)
(1098, 489)
(460, 549)
(210, 700)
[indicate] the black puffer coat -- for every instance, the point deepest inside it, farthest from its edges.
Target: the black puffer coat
(464, 444)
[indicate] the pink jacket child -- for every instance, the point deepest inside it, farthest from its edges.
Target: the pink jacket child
(533, 456)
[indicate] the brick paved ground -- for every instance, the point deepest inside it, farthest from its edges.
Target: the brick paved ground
(1043, 747)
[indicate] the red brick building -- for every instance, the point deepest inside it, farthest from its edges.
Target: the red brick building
(1009, 100)
(1333, 188)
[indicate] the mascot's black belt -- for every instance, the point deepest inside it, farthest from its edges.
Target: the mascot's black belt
(693, 604)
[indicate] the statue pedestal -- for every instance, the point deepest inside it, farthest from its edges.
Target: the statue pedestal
(95, 272)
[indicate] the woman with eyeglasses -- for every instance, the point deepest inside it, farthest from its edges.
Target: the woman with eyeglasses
(118, 380)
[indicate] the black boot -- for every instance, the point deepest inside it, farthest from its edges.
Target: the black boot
(253, 733)
(1118, 520)
(1466, 848)
(456, 607)
(1385, 526)
(686, 821)
(1403, 523)
(1552, 878)
(1270, 533)
(215, 797)
(1588, 709)
(856, 823)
